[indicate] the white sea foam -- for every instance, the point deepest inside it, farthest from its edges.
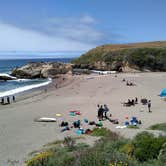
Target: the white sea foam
(25, 88)
(7, 75)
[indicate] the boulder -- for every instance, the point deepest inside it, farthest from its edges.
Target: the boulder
(42, 70)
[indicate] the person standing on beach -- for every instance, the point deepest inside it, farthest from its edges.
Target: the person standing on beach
(14, 99)
(105, 110)
(100, 112)
(8, 100)
(3, 100)
(149, 106)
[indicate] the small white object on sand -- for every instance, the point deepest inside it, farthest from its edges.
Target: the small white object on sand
(120, 127)
(45, 119)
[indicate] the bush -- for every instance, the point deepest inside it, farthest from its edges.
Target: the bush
(161, 126)
(91, 157)
(162, 153)
(147, 146)
(61, 158)
(106, 133)
(40, 159)
(69, 142)
(111, 150)
(128, 149)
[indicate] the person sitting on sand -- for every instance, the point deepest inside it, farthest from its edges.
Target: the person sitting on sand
(129, 101)
(131, 84)
(127, 83)
(132, 102)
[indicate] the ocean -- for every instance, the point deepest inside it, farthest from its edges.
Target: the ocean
(16, 86)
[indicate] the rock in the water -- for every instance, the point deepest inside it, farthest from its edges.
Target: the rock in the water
(42, 70)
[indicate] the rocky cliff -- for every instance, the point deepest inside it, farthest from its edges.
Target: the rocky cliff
(149, 56)
(42, 70)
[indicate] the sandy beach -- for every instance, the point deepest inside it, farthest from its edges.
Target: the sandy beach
(20, 135)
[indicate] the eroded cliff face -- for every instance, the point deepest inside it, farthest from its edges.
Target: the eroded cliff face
(42, 70)
(125, 57)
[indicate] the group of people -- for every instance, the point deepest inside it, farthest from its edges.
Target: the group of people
(102, 111)
(128, 83)
(7, 100)
(132, 102)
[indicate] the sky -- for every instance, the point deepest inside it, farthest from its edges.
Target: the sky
(72, 27)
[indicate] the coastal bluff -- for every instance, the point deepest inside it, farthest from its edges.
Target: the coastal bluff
(42, 70)
(134, 57)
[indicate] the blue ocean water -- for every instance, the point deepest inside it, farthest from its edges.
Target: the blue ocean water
(6, 66)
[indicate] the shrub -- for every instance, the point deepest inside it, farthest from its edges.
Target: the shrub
(161, 126)
(91, 157)
(128, 149)
(61, 158)
(69, 142)
(162, 153)
(147, 146)
(40, 159)
(106, 133)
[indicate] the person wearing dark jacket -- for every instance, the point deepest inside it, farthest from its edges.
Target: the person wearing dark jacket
(100, 112)
(105, 111)
(8, 99)
(149, 106)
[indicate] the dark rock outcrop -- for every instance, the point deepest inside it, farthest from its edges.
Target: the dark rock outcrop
(42, 70)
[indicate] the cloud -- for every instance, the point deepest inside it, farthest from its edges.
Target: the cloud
(13, 38)
(81, 29)
(53, 34)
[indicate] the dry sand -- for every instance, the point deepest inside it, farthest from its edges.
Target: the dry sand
(20, 135)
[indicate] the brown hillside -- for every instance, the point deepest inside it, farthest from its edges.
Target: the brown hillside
(116, 47)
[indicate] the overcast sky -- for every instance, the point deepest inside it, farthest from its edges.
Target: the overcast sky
(77, 25)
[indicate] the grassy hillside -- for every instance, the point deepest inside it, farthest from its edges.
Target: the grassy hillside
(140, 56)
(110, 150)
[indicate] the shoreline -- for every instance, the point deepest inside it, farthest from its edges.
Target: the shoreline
(38, 89)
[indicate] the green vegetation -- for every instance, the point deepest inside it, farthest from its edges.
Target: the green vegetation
(133, 127)
(160, 126)
(110, 150)
(101, 132)
(149, 56)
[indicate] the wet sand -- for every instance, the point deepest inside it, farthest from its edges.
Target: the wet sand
(20, 135)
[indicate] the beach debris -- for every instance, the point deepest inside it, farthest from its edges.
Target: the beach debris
(45, 119)
(58, 115)
(65, 129)
(121, 127)
(88, 131)
(86, 120)
(72, 114)
(80, 131)
(92, 123)
(100, 124)
(75, 112)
